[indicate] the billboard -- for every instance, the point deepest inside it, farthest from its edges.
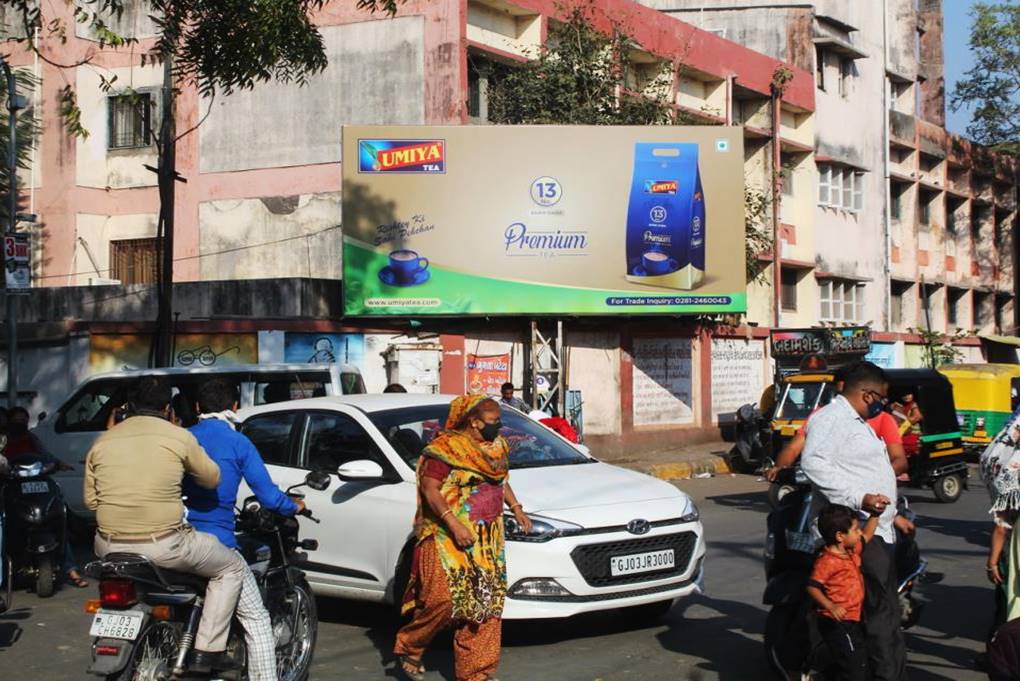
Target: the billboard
(489, 220)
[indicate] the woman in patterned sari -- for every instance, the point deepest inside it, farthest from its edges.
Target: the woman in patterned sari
(1000, 471)
(458, 577)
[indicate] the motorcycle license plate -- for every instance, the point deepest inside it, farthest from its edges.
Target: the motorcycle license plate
(123, 624)
(34, 487)
(642, 562)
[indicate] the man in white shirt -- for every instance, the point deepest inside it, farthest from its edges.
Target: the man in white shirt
(849, 465)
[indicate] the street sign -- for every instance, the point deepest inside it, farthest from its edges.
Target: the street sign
(17, 263)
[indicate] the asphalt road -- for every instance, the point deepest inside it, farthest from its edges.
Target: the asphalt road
(717, 636)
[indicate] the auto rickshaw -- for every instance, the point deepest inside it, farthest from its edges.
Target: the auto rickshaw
(934, 445)
(986, 395)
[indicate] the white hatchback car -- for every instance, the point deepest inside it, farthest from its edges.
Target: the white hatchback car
(604, 537)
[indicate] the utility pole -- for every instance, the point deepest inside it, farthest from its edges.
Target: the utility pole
(167, 176)
(13, 104)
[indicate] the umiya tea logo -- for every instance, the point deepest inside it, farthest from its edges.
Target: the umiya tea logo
(660, 186)
(401, 156)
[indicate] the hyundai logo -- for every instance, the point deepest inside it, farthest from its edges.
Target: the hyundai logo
(639, 526)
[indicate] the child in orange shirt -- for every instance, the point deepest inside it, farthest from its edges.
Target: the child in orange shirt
(837, 586)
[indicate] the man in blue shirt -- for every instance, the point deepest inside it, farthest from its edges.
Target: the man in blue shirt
(212, 510)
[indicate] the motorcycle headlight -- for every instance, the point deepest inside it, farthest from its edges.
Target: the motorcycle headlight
(691, 514)
(980, 423)
(542, 529)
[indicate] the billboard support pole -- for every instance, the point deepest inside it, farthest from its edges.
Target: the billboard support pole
(546, 350)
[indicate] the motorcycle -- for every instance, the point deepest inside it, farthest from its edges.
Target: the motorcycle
(146, 617)
(791, 638)
(752, 441)
(36, 524)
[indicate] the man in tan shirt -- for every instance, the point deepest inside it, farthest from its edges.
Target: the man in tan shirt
(133, 479)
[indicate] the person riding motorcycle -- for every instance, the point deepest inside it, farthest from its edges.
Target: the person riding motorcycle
(212, 510)
(133, 477)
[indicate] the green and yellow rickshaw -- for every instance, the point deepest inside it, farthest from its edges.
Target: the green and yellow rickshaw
(986, 395)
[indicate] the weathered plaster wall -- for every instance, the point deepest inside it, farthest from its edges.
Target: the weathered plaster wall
(375, 75)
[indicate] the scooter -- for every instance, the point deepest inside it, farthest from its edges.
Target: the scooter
(753, 439)
(791, 638)
(146, 617)
(36, 523)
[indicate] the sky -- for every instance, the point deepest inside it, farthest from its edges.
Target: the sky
(958, 58)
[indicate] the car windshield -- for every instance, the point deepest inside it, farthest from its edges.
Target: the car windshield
(532, 445)
(800, 399)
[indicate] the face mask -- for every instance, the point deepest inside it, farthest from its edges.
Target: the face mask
(17, 429)
(490, 431)
(874, 409)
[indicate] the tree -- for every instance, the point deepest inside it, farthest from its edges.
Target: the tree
(218, 47)
(580, 77)
(992, 86)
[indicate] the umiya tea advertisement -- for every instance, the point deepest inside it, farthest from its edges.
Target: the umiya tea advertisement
(576, 220)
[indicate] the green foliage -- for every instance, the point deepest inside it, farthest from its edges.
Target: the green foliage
(27, 135)
(992, 86)
(939, 347)
(580, 78)
(758, 236)
(219, 46)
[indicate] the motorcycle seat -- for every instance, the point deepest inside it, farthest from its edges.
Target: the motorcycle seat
(138, 566)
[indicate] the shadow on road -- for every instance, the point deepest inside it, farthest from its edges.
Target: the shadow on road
(727, 643)
(749, 501)
(10, 631)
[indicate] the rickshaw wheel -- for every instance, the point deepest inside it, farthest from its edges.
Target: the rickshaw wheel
(948, 488)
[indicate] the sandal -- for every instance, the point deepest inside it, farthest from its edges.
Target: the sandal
(78, 582)
(410, 668)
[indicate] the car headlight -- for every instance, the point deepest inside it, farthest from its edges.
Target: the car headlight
(692, 514)
(542, 529)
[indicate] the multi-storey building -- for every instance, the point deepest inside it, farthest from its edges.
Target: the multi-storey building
(913, 226)
(257, 247)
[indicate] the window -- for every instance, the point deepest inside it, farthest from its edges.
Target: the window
(951, 220)
(846, 75)
(925, 210)
(900, 290)
(787, 174)
(841, 300)
(134, 261)
(981, 300)
(896, 191)
(840, 187)
(953, 306)
(333, 439)
(88, 411)
(820, 68)
(532, 445)
(130, 124)
(272, 435)
(788, 290)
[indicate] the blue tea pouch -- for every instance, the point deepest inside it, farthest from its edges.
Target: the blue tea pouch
(666, 217)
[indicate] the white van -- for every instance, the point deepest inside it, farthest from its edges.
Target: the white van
(70, 432)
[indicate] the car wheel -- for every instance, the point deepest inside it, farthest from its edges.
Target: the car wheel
(948, 488)
(402, 576)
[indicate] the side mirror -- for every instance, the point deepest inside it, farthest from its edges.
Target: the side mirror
(583, 448)
(317, 480)
(362, 470)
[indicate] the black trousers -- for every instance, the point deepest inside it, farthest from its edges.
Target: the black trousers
(887, 653)
(848, 647)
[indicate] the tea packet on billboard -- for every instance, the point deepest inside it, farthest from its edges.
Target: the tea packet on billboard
(665, 234)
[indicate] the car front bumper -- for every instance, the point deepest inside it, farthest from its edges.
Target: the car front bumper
(553, 561)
